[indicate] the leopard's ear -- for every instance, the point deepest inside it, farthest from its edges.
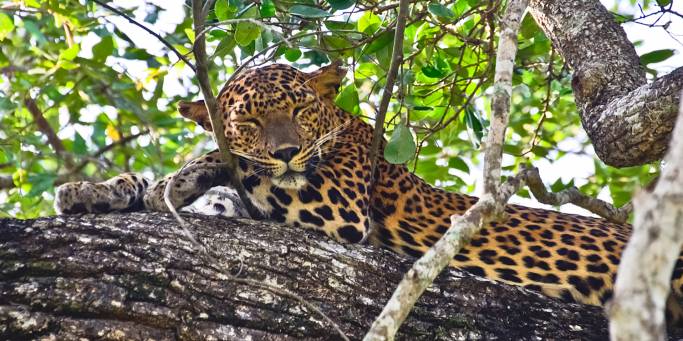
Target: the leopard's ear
(327, 79)
(197, 112)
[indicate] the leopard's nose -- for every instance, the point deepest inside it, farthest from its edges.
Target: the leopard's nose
(285, 154)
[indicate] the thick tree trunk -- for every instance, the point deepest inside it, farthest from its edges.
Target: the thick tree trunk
(120, 277)
(628, 120)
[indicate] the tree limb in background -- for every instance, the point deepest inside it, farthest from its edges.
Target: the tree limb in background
(644, 276)
(572, 195)
(491, 204)
(396, 61)
(109, 147)
(628, 120)
(45, 128)
(7, 182)
(146, 29)
(199, 17)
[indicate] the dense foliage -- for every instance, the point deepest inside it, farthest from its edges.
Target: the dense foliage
(81, 98)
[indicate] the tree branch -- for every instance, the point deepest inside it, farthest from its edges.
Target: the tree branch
(131, 276)
(199, 17)
(6, 182)
(489, 206)
(107, 148)
(396, 61)
(45, 128)
(644, 276)
(573, 196)
(148, 30)
(628, 120)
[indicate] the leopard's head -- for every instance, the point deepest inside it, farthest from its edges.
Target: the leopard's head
(278, 118)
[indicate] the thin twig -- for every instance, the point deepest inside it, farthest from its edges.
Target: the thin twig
(396, 61)
(490, 205)
(148, 30)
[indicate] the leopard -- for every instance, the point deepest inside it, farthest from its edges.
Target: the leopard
(304, 161)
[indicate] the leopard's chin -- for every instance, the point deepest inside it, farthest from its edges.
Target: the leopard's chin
(290, 180)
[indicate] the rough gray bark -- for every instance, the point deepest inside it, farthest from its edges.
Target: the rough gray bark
(131, 276)
(628, 120)
(644, 276)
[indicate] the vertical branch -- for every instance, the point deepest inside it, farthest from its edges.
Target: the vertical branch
(502, 91)
(643, 279)
(199, 17)
(396, 61)
(425, 269)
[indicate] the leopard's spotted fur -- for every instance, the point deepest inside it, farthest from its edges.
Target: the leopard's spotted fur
(305, 162)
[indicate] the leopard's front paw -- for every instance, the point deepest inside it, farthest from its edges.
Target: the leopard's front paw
(76, 197)
(120, 193)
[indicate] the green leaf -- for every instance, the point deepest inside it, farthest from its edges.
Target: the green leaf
(656, 56)
(341, 4)
(79, 146)
(441, 11)
(333, 25)
(292, 55)
(246, 32)
(267, 9)
(189, 32)
(663, 3)
(348, 99)
(432, 71)
(223, 10)
(225, 46)
(6, 104)
(32, 28)
(6, 25)
(308, 12)
(458, 164)
(369, 23)
(401, 146)
(40, 183)
(557, 186)
(474, 124)
(380, 42)
(103, 49)
(70, 53)
(529, 27)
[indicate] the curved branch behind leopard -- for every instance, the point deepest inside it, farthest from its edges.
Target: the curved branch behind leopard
(628, 120)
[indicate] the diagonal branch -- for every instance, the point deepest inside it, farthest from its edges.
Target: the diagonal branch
(396, 61)
(490, 206)
(45, 128)
(148, 30)
(199, 17)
